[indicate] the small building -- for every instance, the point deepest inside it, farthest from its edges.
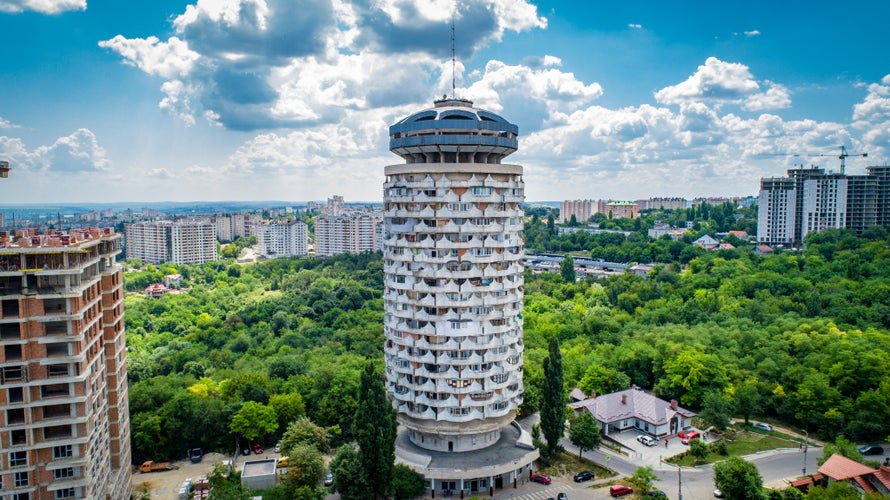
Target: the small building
(173, 280)
(742, 235)
(763, 250)
(706, 242)
(156, 290)
(259, 474)
(861, 476)
(642, 270)
(635, 409)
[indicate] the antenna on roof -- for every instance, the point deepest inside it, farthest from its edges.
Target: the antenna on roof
(453, 72)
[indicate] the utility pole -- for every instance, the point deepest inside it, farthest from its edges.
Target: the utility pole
(806, 443)
(679, 477)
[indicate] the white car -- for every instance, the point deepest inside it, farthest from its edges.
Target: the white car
(277, 447)
(646, 440)
(762, 426)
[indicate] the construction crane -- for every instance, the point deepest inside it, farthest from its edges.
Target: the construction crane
(843, 157)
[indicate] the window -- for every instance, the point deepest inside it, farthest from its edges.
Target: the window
(65, 493)
(57, 370)
(16, 394)
(62, 451)
(16, 416)
(20, 479)
(481, 190)
(18, 458)
(63, 473)
(21, 496)
(18, 437)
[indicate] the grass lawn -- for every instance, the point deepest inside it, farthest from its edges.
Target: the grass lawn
(568, 464)
(738, 444)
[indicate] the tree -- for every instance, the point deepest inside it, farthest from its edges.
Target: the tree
(304, 432)
(288, 407)
(304, 470)
(374, 428)
(698, 449)
(841, 446)
(254, 420)
(584, 432)
(715, 410)
(746, 398)
(349, 478)
(553, 406)
(567, 269)
(644, 478)
(738, 479)
(226, 484)
(406, 483)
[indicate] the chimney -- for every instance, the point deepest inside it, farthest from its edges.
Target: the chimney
(592, 394)
(624, 399)
(673, 404)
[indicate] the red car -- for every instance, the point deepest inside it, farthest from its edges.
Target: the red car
(689, 437)
(619, 490)
(541, 478)
(257, 448)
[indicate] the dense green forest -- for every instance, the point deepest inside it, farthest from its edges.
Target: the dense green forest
(801, 337)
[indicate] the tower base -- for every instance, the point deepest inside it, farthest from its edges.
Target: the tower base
(505, 464)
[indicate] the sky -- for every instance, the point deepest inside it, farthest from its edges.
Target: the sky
(109, 101)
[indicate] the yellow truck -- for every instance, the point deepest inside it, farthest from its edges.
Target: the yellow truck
(151, 466)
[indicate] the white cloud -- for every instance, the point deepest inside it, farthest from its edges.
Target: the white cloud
(42, 6)
(267, 64)
(170, 59)
(4, 123)
(718, 82)
(635, 26)
(752, 33)
(78, 152)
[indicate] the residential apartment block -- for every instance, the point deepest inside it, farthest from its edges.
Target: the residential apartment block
(811, 199)
(179, 242)
(350, 232)
(63, 381)
(282, 238)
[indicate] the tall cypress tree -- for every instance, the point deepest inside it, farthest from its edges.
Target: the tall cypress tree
(553, 407)
(375, 431)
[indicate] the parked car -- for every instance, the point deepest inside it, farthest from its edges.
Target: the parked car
(541, 478)
(195, 455)
(283, 461)
(655, 494)
(562, 496)
(646, 440)
(718, 493)
(871, 449)
(762, 426)
(690, 436)
(583, 476)
(257, 448)
(277, 447)
(329, 478)
(619, 490)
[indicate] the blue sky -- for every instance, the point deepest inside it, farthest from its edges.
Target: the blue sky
(112, 101)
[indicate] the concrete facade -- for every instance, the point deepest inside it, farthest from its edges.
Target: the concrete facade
(63, 381)
(453, 279)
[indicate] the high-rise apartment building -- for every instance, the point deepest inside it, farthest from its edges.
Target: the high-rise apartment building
(282, 238)
(63, 381)
(581, 209)
(453, 279)
(811, 199)
(179, 242)
(349, 232)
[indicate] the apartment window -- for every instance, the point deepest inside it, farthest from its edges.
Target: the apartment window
(18, 458)
(65, 493)
(20, 479)
(18, 437)
(15, 394)
(57, 432)
(12, 374)
(64, 473)
(54, 390)
(57, 370)
(62, 451)
(21, 496)
(16, 416)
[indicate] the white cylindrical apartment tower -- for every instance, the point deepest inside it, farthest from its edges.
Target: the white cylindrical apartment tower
(453, 276)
